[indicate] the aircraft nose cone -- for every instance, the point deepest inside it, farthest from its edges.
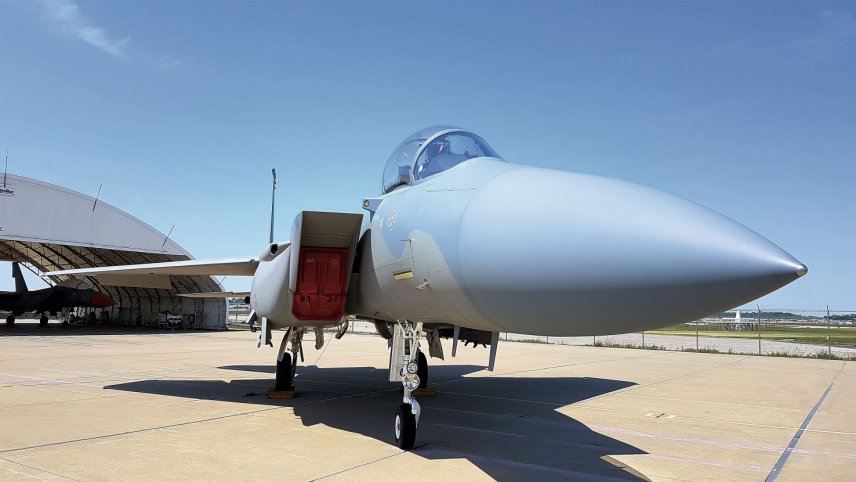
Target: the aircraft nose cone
(553, 252)
(100, 300)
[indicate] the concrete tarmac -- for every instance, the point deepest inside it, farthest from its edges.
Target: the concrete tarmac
(85, 404)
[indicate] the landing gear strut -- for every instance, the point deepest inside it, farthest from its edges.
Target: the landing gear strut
(406, 363)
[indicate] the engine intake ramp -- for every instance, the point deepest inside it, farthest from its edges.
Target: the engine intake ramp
(323, 248)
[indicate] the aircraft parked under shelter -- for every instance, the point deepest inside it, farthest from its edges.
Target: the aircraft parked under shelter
(47, 300)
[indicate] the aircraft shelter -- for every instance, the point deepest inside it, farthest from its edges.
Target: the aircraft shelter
(48, 227)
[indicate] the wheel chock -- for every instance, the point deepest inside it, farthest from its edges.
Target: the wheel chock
(280, 394)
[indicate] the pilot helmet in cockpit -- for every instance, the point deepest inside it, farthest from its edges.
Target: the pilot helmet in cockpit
(436, 148)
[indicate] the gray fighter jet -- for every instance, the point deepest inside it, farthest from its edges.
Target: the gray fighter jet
(464, 244)
(47, 300)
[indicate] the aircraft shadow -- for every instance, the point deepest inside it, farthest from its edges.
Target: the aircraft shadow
(507, 426)
(29, 327)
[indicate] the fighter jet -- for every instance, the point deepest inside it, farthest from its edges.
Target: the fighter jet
(47, 300)
(461, 243)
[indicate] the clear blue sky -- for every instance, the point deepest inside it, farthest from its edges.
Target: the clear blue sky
(181, 108)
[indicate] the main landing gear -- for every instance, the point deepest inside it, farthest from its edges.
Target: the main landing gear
(286, 363)
(409, 366)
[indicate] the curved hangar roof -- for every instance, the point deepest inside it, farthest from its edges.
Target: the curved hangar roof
(54, 228)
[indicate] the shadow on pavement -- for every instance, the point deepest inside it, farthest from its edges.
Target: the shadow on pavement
(27, 327)
(506, 425)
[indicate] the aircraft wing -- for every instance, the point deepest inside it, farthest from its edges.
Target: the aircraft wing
(156, 275)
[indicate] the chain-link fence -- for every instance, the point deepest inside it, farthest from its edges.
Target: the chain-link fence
(819, 333)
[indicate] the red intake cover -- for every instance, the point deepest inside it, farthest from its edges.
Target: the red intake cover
(321, 282)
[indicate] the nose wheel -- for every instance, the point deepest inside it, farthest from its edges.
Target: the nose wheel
(405, 427)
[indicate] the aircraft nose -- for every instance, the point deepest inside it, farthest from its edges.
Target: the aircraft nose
(561, 253)
(100, 300)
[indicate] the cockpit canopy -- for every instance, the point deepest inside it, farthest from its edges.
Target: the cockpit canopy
(430, 151)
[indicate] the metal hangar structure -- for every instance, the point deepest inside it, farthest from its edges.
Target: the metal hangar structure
(49, 228)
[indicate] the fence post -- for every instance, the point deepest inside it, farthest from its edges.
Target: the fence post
(696, 335)
(828, 335)
(759, 330)
(643, 339)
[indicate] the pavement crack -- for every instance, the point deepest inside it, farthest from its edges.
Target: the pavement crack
(366, 464)
(38, 469)
(142, 430)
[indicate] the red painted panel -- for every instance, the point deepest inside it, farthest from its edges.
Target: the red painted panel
(321, 281)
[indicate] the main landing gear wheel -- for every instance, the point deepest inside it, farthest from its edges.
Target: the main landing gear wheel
(10, 320)
(284, 374)
(43, 321)
(422, 371)
(405, 427)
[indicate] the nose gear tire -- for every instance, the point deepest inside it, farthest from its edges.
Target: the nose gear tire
(405, 427)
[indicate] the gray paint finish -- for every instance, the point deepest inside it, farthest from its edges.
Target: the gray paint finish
(484, 244)
(503, 247)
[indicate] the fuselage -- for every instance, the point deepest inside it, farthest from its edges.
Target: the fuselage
(461, 237)
(496, 246)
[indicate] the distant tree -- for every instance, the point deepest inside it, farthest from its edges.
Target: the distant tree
(846, 317)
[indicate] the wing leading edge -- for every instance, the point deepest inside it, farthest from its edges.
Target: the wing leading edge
(156, 275)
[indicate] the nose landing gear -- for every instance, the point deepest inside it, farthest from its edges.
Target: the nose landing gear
(406, 363)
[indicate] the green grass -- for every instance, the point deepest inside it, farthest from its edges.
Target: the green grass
(819, 355)
(843, 335)
(704, 350)
(609, 344)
